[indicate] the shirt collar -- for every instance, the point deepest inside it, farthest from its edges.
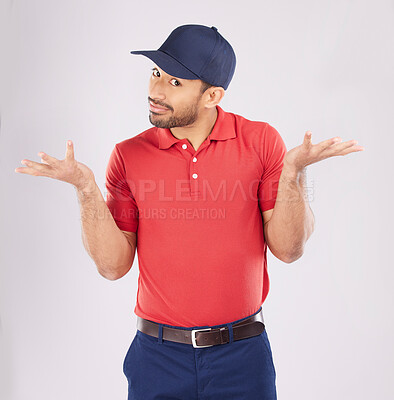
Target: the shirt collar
(223, 129)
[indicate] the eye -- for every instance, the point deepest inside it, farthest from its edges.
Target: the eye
(157, 74)
(174, 80)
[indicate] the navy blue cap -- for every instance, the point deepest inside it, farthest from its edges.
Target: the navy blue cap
(195, 52)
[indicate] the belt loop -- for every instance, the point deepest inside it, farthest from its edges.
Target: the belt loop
(160, 338)
(230, 332)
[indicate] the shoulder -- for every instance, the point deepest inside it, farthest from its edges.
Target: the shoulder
(253, 130)
(143, 140)
(260, 137)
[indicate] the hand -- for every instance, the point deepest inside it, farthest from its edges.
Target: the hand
(67, 170)
(307, 153)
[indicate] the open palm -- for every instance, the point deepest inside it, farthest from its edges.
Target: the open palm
(67, 170)
(308, 153)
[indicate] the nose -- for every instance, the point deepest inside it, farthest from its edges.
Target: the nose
(156, 90)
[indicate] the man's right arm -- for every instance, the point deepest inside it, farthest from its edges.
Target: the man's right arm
(112, 249)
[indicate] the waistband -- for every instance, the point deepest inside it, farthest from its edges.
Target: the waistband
(205, 336)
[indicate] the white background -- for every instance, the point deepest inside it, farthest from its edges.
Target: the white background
(66, 73)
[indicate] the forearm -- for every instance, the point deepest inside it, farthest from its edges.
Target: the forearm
(102, 239)
(292, 220)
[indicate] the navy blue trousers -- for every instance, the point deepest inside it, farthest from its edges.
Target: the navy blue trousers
(158, 369)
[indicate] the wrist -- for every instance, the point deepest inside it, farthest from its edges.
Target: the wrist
(87, 188)
(291, 172)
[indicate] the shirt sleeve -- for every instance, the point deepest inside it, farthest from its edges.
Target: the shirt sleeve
(273, 150)
(119, 198)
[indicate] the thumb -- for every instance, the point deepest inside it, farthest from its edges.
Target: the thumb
(308, 138)
(70, 150)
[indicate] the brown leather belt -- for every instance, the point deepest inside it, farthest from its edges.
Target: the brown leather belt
(205, 337)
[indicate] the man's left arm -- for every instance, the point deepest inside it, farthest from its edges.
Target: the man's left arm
(290, 223)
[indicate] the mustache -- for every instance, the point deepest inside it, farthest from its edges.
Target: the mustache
(159, 103)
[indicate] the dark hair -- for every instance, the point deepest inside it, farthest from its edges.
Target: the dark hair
(205, 86)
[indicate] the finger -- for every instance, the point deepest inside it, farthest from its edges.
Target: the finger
(41, 169)
(343, 148)
(70, 150)
(26, 170)
(329, 142)
(47, 159)
(30, 171)
(351, 149)
(308, 138)
(344, 145)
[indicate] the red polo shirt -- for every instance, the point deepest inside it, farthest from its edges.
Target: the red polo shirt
(200, 239)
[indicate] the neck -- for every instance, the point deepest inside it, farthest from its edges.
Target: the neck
(200, 130)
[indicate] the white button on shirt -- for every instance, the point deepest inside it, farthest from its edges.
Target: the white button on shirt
(194, 176)
(194, 159)
(184, 146)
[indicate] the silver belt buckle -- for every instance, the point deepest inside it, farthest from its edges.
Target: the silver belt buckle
(195, 345)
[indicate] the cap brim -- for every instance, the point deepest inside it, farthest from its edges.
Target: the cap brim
(167, 64)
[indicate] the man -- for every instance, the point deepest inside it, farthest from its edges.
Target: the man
(206, 191)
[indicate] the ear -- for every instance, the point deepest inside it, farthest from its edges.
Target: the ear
(213, 96)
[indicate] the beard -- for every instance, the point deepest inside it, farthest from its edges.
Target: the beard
(184, 117)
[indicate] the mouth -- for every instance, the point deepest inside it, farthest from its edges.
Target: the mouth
(156, 108)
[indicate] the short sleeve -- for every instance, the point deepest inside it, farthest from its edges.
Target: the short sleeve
(119, 198)
(273, 150)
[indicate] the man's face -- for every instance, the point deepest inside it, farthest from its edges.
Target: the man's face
(178, 99)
